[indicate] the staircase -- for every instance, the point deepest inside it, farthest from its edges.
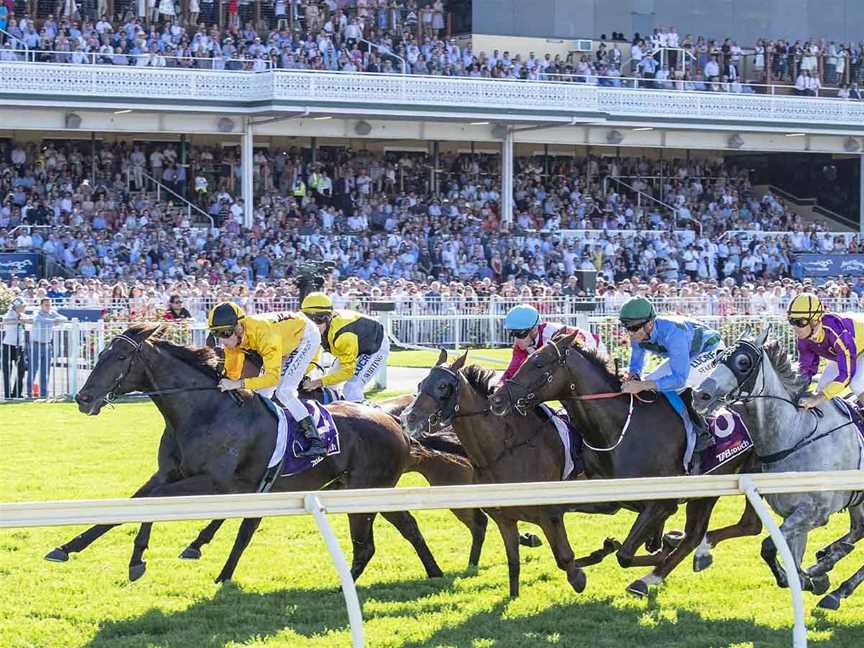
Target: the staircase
(809, 209)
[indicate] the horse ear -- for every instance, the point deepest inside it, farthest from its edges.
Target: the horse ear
(442, 358)
(459, 362)
(763, 336)
(569, 339)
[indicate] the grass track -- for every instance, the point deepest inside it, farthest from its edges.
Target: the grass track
(490, 358)
(286, 592)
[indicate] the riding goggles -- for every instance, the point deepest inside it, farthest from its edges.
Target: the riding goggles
(799, 322)
(633, 327)
(520, 333)
(319, 318)
(223, 333)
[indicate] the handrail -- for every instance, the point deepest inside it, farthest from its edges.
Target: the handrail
(95, 56)
(671, 208)
(388, 53)
(189, 205)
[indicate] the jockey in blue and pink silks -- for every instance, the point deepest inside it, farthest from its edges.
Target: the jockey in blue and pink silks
(529, 334)
(837, 338)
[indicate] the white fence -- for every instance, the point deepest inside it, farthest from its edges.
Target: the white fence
(75, 346)
(320, 503)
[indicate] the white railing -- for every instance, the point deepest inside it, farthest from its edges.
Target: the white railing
(414, 91)
(321, 503)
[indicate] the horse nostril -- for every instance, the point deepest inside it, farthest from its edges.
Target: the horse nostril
(705, 396)
(83, 398)
(412, 417)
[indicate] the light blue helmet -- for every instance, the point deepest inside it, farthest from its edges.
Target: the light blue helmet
(521, 317)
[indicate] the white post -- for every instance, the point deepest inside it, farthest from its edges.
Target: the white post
(355, 615)
(491, 317)
(381, 376)
(507, 178)
(246, 162)
(799, 630)
(73, 352)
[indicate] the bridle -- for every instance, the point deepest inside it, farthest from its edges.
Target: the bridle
(524, 403)
(449, 411)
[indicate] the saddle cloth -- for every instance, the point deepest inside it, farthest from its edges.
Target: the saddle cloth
(731, 436)
(290, 441)
(571, 439)
(852, 410)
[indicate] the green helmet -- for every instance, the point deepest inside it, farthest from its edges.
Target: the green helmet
(637, 310)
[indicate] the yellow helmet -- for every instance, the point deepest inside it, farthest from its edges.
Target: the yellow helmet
(316, 302)
(223, 317)
(805, 306)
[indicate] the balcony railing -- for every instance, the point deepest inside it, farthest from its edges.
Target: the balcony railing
(380, 92)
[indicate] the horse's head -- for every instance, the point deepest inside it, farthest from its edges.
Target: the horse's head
(734, 376)
(544, 376)
(437, 399)
(119, 370)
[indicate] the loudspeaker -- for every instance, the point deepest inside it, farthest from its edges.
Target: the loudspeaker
(614, 137)
(381, 307)
(225, 125)
(73, 120)
(587, 280)
(363, 128)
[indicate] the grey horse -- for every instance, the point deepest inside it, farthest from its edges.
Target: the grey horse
(788, 438)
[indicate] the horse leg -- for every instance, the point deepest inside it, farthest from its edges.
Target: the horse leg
(769, 555)
(827, 557)
(362, 540)
(407, 526)
(610, 545)
(244, 536)
(748, 525)
(698, 515)
(832, 601)
(654, 515)
(476, 521)
(510, 535)
(88, 537)
(193, 551)
(556, 534)
(795, 529)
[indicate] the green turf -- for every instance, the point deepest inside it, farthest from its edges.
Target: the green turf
(285, 593)
(491, 358)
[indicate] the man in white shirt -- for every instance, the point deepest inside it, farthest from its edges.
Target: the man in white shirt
(13, 350)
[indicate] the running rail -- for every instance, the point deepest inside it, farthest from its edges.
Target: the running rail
(321, 503)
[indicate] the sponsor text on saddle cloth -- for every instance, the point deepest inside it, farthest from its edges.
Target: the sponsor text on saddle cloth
(730, 435)
(291, 441)
(571, 439)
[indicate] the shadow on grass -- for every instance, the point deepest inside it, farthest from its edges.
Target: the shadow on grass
(237, 616)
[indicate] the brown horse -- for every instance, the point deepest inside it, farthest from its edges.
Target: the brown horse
(630, 438)
(512, 449)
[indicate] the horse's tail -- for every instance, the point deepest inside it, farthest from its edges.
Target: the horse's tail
(441, 458)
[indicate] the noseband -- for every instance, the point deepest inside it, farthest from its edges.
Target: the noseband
(449, 411)
(524, 403)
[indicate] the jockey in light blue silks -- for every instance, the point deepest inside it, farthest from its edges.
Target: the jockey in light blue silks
(689, 347)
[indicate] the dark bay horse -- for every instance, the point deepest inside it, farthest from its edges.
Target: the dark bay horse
(630, 438)
(512, 449)
(221, 443)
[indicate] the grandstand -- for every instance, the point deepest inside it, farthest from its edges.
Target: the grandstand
(451, 158)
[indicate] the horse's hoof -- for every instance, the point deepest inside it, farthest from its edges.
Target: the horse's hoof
(57, 555)
(578, 581)
(530, 540)
(672, 539)
(191, 553)
(701, 562)
(830, 602)
(137, 570)
(611, 545)
(821, 553)
(638, 588)
(820, 584)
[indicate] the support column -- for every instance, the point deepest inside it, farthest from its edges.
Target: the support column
(313, 144)
(436, 157)
(93, 159)
(507, 178)
(861, 194)
(246, 165)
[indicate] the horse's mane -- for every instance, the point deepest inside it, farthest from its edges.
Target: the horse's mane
(603, 366)
(479, 378)
(204, 359)
(782, 364)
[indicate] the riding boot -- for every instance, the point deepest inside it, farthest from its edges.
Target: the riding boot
(316, 445)
(704, 438)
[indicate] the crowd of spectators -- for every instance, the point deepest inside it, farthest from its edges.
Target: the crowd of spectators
(386, 220)
(409, 36)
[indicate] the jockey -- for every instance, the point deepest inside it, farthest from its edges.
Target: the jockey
(689, 347)
(287, 343)
(837, 338)
(358, 342)
(529, 334)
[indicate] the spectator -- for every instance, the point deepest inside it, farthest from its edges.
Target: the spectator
(176, 311)
(13, 350)
(42, 338)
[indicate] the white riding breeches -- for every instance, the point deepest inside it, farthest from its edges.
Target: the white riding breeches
(367, 367)
(829, 375)
(700, 368)
(293, 369)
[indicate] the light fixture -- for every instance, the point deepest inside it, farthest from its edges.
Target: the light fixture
(362, 128)
(225, 125)
(735, 141)
(614, 137)
(72, 120)
(323, 118)
(795, 134)
(851, 145)
(644, 128)
(479, 123)
(123, 112)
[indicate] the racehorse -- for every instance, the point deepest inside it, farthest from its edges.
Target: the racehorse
(789, 438)
(509, 450)
(222, 442)
(623, 437)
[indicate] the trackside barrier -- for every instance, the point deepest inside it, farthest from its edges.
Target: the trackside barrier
(320, 503)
